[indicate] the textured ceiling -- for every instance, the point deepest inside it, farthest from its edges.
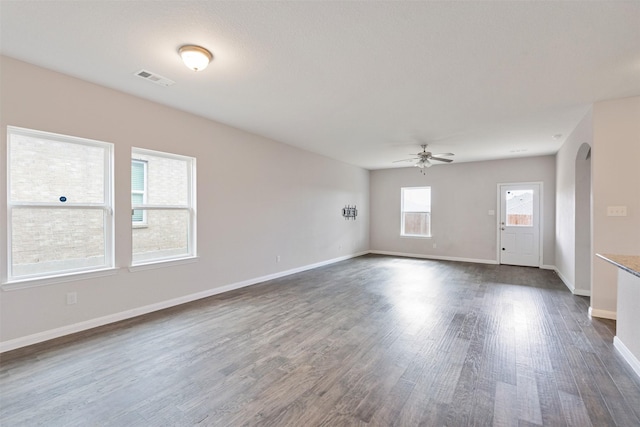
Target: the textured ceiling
(362, 82)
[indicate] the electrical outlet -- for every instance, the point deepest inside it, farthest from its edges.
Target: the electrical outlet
(72, 298)
(277, 258)
(616, 211)
(434, 246)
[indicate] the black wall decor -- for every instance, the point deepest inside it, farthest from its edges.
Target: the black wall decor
(350, 212)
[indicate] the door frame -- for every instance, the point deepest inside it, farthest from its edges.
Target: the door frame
(540, 214)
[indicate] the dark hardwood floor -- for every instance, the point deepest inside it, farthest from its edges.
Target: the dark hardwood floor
(375, 340)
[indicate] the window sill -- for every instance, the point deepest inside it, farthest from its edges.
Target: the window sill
(162, 263)
(414, 236)
(51, 280)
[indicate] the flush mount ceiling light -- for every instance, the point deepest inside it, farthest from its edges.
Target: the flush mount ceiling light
(195, 57)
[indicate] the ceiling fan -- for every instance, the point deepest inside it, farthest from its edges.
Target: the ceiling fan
(424, 158)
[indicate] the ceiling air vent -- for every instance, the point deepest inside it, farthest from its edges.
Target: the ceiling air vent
(154, 78)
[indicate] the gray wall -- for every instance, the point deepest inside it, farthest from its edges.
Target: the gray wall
(462, 195)
(568, 260)
(616, 182)
(612, 129)
(257, 199)
(628, 317)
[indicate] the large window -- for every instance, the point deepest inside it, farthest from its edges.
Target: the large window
(60, 204)
(163, 203)
(416, 212)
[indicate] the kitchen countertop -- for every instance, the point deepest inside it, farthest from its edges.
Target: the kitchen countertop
(629, 263)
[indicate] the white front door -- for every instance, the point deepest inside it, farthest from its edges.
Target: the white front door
(520, 224)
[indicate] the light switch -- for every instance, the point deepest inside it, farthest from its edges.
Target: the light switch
(616, 211)
(491, 212)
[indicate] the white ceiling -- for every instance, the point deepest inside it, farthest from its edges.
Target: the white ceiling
(362, 82)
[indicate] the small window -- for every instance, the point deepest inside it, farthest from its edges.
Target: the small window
(60, 204)
(163, 203)
(138, 191)
(416, 212)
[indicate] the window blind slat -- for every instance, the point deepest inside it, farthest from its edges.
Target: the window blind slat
(137, 176)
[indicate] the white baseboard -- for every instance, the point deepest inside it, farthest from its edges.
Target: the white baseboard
(436, 257)
(138, 311)
(581, 292)
(567, 282)
(627, 355)
(603, 314)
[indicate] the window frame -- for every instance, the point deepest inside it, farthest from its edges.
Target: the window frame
(402, 213)
(189, 207)
(107, 207)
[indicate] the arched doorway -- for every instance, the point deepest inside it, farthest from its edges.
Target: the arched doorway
(583, 220)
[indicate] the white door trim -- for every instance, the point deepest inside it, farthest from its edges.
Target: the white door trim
(540, 214)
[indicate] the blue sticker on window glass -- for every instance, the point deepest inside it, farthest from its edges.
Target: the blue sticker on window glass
(63, 199)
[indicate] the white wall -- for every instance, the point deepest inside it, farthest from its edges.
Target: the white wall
(462, 195)
(565, 238)
(615, 182)
(257, 199)
(627, 339)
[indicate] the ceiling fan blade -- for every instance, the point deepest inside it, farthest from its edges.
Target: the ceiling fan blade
(442, 154)
(406, 160)
(441, 160)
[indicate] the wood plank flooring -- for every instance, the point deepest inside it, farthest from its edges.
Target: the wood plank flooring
(376, 341)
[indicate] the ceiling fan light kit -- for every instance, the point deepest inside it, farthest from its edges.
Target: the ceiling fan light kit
(424, 159)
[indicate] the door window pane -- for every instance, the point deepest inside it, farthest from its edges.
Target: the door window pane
(519, 205)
